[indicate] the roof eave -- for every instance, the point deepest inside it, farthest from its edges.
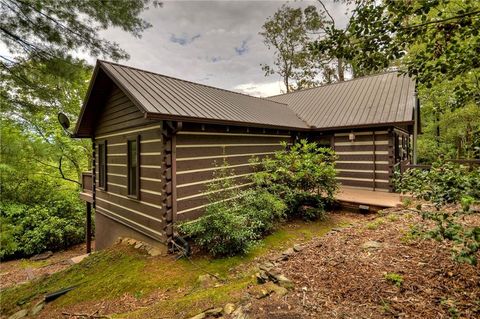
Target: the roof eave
(157, 116)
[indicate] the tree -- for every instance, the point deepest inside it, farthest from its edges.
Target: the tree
(287, 32)
(41, 78)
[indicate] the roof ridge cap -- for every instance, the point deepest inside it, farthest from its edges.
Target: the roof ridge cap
(196, 83)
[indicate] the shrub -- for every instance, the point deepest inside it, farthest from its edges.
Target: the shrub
(445, 182)
(233, 221)
(303, 175)
(31, 229)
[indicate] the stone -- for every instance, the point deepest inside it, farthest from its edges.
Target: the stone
(371, 244)
(297, 248)
(289, 252)
(154, 252)
(228, 308)
(215, 312)
(19, 314)
(281, 291)
(138, 245)
(206, 281)
(283, 281)
(42, 256)
(262, 277)
(267, 266)
(239, 313)
(199, 316)
(77, 259)
(37, 308)
(131, 241)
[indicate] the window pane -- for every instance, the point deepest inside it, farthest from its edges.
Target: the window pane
(132, 167)
(101, 165)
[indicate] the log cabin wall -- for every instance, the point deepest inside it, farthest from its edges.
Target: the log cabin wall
(201, 150)
(117, 213)
(366, 161)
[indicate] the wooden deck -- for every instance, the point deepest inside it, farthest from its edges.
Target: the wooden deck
(356, 198)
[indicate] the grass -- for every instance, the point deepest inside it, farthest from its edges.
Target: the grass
(395, 279)
(110, 274)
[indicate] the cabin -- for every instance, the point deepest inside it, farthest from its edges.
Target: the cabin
(157, 141)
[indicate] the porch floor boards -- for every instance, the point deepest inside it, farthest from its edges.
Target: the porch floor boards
(379, 200)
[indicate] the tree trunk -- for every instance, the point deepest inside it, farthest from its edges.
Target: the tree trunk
(340, 70)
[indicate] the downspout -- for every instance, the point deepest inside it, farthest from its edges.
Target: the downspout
(415, 127)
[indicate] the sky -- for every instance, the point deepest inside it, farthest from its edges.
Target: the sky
(210, 42)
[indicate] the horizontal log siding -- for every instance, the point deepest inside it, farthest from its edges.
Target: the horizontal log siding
(200, 152)
(119, 121)
(357, 162)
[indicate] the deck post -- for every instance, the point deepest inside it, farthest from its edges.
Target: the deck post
(88, 230)
(415, 127)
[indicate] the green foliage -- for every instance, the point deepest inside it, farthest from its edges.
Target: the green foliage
(466, 240)
(395, 279)
(445, 182)
(233, 221)
(287, 33)
(302, 175)
(30, 229)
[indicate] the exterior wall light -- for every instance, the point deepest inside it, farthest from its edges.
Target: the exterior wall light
(351, 137)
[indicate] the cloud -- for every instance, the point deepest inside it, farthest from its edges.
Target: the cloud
(261, 89)
(183, 39)
(242, 49)
(210, 42)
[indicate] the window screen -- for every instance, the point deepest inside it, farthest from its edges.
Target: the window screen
(133, 167)
(102, 165)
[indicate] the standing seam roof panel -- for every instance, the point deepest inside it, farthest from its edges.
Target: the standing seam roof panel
(158, 94)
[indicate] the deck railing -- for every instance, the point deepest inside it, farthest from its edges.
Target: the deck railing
(87, 182)
(405, 165)
(87, 187)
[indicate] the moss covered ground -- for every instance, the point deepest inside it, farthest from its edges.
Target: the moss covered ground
(127, 283)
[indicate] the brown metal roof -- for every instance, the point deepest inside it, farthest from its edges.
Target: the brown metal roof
(372, 100)
(171, 97)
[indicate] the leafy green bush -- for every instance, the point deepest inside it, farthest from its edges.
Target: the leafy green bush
(303, 175)
(466, 240)
(32, 229)
(445, 182)
(233, 221)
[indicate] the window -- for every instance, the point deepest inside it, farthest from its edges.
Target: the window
(102, 165)
(133, 167)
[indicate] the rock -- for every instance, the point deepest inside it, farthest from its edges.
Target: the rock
(215, 312)
(154, 252)
(131, 241)
(77, 259)
(239, 313)
(266, 266)
(42, 256)
(199, 316)
(289, 252)
(297, 248)
(206, 281)
(281, 291)
(138, 245)
(283, 281)
(19, 314)
(262, 277)
(228, 308)
(37, 308)
(372, 245)
(337, 229)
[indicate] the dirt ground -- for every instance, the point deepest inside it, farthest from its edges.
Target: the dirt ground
(17, 271)
(336, 276)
